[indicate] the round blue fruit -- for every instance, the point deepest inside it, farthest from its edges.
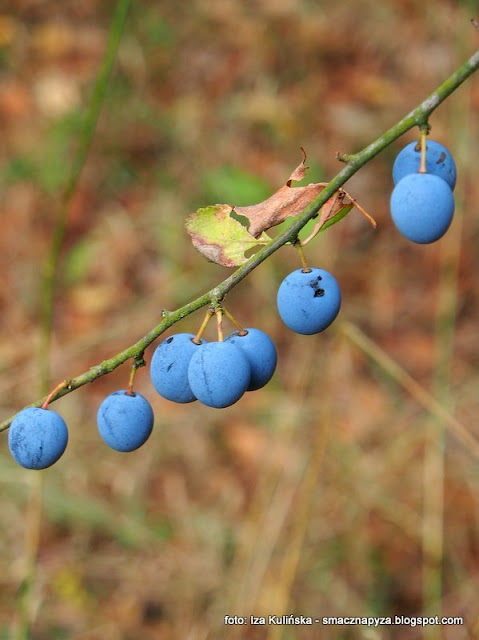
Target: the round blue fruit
(37, 438)
(219, 374)
(439, 162)
(169, 367)
(260, 352)
(308, 301)
(125, 421)
(422, 207)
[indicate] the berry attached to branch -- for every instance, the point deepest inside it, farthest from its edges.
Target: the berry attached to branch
(37, 438)
(308, 300)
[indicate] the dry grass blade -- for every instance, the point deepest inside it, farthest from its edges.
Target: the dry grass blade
(403, 378)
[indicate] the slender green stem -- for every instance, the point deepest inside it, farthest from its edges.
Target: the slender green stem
(33, 516)
(91, 117)
(24, 607)
(417, 117)
(434, 465)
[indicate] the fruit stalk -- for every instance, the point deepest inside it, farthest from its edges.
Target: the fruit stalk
(234, 321)
(201, 330)
(61, 385)
(219, 322)
(422, 142)
(131, 380)
(299, 248)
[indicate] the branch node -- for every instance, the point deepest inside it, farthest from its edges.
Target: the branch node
(139, 361)
(343, 157)
(216, 297)
(102, 367)
(424, 127)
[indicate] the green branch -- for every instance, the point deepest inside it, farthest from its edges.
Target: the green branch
(417, 117)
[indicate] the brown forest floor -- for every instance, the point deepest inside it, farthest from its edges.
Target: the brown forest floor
(322, 494)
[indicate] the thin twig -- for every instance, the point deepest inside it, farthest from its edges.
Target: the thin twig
(417, 117)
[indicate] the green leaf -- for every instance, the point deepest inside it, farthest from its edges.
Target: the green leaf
(220, 237)
(342, 213)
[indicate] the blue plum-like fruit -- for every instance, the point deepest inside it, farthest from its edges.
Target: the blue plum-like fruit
(422, 207)
(37, 438)
(439, 162)
(308, 301)
(260, 351)
(125, 421)
(219, 374)
(169, 367)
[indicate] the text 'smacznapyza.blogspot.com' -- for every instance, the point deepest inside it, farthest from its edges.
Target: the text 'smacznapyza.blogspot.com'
(368, 621)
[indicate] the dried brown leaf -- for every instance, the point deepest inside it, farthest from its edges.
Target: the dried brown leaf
(286, 202)
(220, 237)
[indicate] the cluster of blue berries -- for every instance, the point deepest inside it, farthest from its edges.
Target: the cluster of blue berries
(422, 202)
(184, 369)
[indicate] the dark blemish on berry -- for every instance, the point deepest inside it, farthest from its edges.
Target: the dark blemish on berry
(441, 158)
(170, 340)
(169, 366)
(314, 284)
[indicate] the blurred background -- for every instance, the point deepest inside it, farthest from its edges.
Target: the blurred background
(332, 491)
